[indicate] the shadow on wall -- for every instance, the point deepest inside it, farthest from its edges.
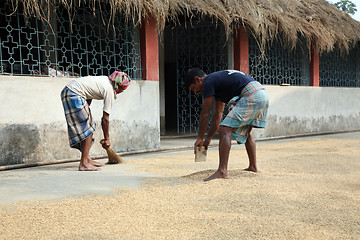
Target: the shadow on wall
(16, 142)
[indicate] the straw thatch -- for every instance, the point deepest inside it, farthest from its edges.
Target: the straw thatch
(316, 20)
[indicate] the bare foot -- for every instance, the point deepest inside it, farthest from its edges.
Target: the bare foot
(93, 163)
(216, 175)
(96, 164)
(251, 169)
(88, 167)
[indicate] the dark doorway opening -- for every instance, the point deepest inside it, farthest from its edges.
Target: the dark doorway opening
(201, 44)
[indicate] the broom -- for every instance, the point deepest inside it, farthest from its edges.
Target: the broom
(113, 157)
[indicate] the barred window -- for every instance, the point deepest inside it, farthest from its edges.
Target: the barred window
(340, 70)
(88, 45)
(280, 65)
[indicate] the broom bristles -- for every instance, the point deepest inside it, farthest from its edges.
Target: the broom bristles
(114, 158)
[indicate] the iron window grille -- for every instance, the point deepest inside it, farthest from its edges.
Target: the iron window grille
(279, 65)
(340, 70)
(85, 46)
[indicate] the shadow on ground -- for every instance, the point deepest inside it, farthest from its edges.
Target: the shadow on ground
(194, 177)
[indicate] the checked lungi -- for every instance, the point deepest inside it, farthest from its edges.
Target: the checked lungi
(78, 116)
(250, 110)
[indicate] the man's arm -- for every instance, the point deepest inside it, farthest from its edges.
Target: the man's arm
(105, 127)
(204, 120)
(215, 121)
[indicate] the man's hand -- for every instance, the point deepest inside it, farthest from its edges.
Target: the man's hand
(207, 143)
(198, 144)
(105, 143)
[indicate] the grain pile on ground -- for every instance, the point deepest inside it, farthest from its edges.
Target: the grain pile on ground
(307, 189)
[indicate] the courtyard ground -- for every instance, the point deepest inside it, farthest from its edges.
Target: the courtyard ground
(308, 188)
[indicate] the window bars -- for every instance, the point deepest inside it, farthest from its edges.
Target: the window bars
(279, 65)
(337, 70)
(88, 46)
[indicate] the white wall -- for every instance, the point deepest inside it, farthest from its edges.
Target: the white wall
(33, 127)
(301, 110)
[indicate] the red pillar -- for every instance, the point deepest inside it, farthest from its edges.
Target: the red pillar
(149, 49)
(241, 49)
(314, 67)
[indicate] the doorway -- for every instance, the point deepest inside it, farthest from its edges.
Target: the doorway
(203, 45)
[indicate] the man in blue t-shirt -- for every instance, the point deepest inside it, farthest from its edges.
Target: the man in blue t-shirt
(248, 103)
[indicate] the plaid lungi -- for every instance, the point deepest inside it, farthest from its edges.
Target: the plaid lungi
(78, 117)
(250, 110)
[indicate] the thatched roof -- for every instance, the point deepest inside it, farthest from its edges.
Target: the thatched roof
(315, 20)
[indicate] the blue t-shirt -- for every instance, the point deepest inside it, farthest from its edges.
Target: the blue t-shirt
(224, 85)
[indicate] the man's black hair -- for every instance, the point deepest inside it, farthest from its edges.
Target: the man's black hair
(190, 76)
